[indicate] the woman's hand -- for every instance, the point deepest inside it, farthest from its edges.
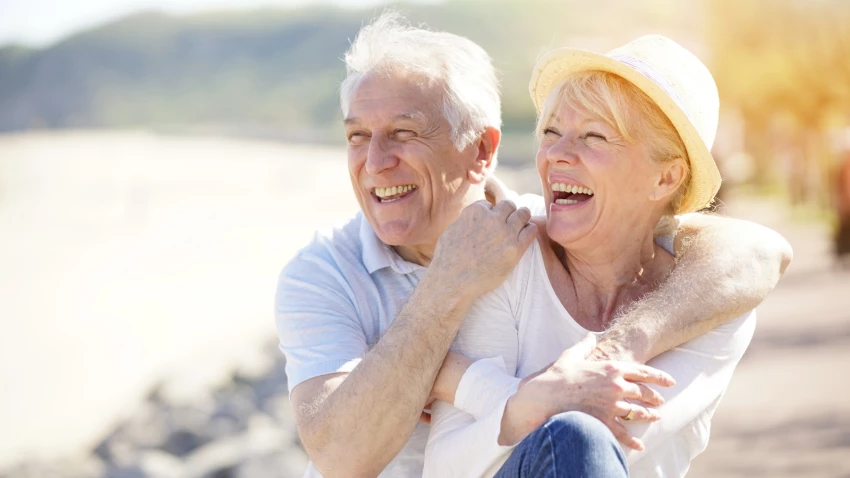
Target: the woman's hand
(607, 390)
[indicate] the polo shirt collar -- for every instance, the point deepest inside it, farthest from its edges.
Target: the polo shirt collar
(377, 255)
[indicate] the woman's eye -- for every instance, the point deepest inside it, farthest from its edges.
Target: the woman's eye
(550, 131)
(591, 134)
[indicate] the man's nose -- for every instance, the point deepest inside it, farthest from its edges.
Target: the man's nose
(379, 157)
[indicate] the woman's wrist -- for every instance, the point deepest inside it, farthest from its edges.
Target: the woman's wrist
(523, 414)
(449, 376)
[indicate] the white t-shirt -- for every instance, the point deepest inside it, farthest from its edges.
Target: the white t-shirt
(337, 297)
(522, 327)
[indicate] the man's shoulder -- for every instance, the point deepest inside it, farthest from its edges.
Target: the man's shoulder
(337, 250)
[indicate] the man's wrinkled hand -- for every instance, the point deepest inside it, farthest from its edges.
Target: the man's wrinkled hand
(478, 251)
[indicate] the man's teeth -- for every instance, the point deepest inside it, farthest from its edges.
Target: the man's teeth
(571, 188)
(393, 191)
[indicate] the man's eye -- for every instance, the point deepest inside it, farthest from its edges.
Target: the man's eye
(356, 138)
(403, 134)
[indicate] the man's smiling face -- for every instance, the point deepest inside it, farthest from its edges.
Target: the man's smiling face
(407, 174)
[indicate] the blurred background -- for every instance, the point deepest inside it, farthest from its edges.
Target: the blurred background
(160, 161)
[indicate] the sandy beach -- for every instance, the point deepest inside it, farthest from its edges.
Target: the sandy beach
(131, 259)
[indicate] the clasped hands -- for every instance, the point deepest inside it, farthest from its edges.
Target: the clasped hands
(584, 379)
(612, 391)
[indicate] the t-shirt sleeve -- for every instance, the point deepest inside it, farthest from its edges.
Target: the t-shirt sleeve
(464, 436)
(317, 322)
(702, 368)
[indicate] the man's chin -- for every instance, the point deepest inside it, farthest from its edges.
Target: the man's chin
(394, 233)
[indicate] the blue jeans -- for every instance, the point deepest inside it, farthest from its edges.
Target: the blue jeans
(570, 444)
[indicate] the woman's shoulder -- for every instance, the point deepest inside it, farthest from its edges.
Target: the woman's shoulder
(508, 296)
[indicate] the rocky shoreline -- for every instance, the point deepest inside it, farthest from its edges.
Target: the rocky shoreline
(242, 428)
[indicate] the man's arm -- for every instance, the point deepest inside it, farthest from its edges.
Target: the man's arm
(724, 268)
(354, 424)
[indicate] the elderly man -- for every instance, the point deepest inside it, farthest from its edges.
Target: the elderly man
(366, 313)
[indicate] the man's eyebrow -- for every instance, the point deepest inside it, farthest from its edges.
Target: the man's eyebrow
(415, 116)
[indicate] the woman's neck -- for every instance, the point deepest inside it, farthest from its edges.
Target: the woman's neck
(595, 282)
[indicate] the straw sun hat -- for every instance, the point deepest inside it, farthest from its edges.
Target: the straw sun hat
(672, 77)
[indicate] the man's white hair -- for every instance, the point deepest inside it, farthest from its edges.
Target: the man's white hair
(454, 64)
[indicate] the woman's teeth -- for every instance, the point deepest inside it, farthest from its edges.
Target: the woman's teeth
(571, 188)
(389, 194)
(564, 193)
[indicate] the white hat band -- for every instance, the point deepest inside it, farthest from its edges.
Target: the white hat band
(649, 72)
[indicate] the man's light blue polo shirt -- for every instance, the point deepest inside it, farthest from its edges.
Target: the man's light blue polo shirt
(338, 296)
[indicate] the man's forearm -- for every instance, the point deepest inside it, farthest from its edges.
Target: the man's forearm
(724, 268)
(360, 426)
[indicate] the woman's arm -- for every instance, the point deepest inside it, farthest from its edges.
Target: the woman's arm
(464, 436)
(702, 367)
(475, 436)
(466, 417)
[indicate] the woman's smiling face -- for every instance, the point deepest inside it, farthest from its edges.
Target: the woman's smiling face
(597, 185)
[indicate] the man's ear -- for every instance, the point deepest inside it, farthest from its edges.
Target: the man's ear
(485, 159)
(670, 178)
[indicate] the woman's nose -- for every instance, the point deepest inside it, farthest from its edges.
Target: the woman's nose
(563, 151)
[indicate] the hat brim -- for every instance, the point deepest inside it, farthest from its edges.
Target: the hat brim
(554, 67)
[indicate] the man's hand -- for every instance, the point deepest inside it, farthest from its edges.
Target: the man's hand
(606, 390)
(610, 350)
(478, 251)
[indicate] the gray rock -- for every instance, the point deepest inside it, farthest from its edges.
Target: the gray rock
(159, 464)
(243, 428)
(183, 442)
(133, 471)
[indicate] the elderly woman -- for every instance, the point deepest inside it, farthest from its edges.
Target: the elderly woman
(624, 149)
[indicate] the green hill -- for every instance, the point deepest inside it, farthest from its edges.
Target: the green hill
(272, 73)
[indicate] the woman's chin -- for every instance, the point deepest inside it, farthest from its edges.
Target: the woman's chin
(566, 232)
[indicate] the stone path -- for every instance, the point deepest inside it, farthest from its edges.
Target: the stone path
(787, 410)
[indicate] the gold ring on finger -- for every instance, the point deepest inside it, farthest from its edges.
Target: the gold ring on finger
(629, 415)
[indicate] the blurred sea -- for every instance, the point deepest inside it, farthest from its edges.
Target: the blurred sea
(129, 260)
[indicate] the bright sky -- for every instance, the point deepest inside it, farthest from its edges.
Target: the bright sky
(39, 22)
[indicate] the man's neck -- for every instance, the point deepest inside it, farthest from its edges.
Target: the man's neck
(421, 255)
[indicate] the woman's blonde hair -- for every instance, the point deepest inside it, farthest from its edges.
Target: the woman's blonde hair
(630, 111)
